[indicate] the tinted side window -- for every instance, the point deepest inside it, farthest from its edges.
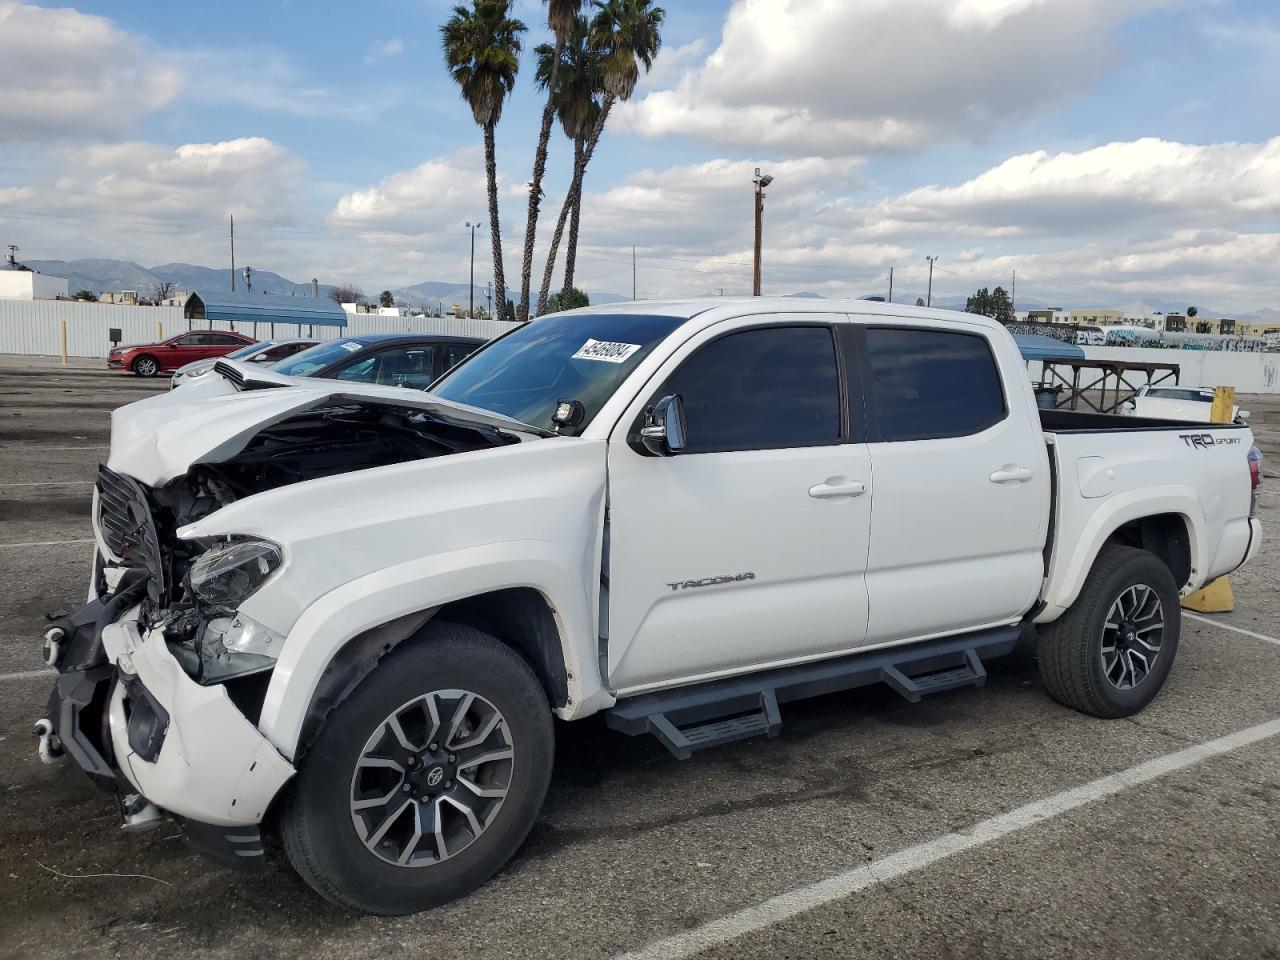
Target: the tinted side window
(930, 384)
(223, 339)
(761, 389)
(455, 353)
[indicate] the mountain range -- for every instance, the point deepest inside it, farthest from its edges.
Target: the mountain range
(98, 275)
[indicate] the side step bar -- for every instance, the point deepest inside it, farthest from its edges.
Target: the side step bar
(707, 715)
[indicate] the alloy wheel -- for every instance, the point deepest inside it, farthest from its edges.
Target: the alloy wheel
(1131, 636)
(431, 778)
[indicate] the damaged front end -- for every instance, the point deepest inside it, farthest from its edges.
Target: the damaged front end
(161, 675)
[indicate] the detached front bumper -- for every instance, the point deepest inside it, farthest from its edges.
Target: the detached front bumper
(183, 746)
(125, 711)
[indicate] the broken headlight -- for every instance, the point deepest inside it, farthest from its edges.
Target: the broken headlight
(229, 574)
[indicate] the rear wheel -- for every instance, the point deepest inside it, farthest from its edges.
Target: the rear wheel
(146, 366)
(426, 780)
(1110, 654)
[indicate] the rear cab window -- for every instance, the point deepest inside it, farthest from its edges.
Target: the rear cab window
(930, 384)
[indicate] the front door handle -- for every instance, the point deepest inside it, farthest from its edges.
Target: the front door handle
(1011, 473)
(834, 487)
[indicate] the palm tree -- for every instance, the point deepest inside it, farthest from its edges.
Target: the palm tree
(573, 69)
(482, 51)
(561, 16)
(625, 34)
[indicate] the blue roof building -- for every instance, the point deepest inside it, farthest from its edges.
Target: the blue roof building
(263, 308)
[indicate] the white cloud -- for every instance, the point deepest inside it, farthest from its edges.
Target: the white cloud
(444, 190)
(146, 201)
(384, 51)
(65, 74)
(816, 76)
(1134, 187)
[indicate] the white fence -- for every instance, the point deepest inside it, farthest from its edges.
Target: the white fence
(1247, 372)
(34, 327)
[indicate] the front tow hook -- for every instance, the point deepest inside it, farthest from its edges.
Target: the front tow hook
(50, 747)
(52, 651)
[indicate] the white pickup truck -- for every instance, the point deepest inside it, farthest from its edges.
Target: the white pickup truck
(351, 612)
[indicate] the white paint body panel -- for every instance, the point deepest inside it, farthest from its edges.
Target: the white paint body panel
(723, 515)
(951, 548)
(214, 766)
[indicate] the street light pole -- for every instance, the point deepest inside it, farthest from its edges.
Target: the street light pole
(471, 289)
(932, 261)
(760, 182)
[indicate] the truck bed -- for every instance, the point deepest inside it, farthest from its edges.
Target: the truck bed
(1079, 421)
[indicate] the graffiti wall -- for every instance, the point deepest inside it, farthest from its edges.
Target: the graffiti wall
(1147, 339)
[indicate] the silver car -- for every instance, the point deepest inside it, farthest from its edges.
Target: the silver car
(266, 352)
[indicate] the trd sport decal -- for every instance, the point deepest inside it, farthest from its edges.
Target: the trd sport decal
(1205, 441)
(709, 581)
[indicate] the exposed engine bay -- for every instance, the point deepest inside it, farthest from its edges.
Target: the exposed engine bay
(194, 586)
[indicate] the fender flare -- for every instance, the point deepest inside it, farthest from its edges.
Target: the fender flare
(1068, 572)
(342, 614)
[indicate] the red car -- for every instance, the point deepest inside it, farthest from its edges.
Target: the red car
(148, 359)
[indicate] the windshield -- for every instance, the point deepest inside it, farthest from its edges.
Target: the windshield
(581, 357)
(249, 350)
(308, 361)
(1171, 393)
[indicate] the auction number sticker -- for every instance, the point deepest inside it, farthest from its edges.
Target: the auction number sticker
(606, 351)
(351, 346)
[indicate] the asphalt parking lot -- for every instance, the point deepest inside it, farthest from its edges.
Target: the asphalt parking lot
(989, 823)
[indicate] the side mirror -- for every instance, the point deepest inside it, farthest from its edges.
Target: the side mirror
(664, 433)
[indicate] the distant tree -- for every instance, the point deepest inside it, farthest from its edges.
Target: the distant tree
(980, 303)
(576, 299)
(1193, 311)
(385, 299)
(1001, 305)
(345, 293)
(164, 290)
(86, 295)
(919, 301)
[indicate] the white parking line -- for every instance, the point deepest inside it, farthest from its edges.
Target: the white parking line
(29, 674)
(51, 483)
(43, 543)
(804, 899)
(1227, 626)
(36, 448)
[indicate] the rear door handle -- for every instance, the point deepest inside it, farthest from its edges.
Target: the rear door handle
(834, 487)
(1011, 473)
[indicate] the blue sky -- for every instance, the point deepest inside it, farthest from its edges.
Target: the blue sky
(1111, 151)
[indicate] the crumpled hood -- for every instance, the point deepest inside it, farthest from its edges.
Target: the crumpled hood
(210, 419)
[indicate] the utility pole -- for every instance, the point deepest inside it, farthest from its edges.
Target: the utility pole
(891, 284)
(233, 253)
(760, 182)
(248, 279)
(1013, 294)
(471, 312)
(488, 297)
(633, 271)
(932, 261)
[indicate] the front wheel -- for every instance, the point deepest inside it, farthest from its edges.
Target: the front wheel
(146, 366)
(1110, 654)
(426, 780)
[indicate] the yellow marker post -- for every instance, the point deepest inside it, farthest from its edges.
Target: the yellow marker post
(64, 341)
(159, 332)
(1216, 597)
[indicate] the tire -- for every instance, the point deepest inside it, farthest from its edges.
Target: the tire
(146, 365)
(337, 849)
(1082, 654)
